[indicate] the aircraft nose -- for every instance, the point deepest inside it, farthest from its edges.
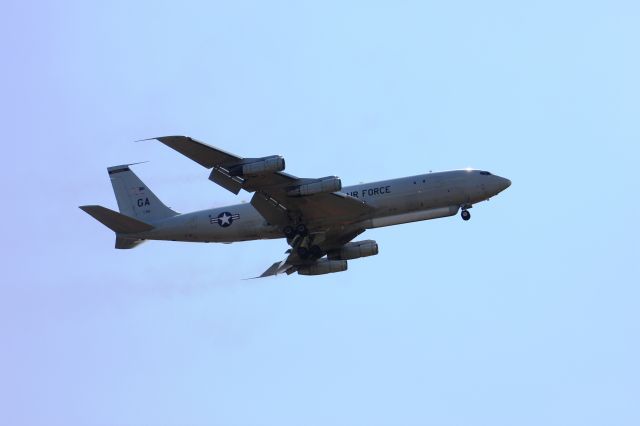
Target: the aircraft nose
(504, 183)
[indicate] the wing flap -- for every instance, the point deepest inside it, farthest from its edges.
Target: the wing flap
(270, 209)
(231, 184)
(330, 207)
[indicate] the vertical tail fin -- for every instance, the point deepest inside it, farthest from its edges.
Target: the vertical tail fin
(134, 198)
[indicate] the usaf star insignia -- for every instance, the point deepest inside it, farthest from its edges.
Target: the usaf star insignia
(224, 219)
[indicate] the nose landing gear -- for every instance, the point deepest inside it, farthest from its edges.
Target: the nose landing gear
(465, 212)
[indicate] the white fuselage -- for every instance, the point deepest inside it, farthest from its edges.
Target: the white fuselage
(395, 201)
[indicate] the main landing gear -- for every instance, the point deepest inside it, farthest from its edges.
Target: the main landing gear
(465, 213)
(302, 243)
(290, 232)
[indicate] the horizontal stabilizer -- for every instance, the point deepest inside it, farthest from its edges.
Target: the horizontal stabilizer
(127, 243)
(115, 221)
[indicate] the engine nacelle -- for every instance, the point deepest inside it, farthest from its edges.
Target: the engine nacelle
(327, 184)
(355, 250)
(322, 267)
(259, 166)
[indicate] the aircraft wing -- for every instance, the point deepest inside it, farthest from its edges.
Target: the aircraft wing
(277, 195)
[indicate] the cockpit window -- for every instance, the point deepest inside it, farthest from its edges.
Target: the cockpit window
(485, 173)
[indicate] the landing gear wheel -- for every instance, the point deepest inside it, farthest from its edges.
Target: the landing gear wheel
(303, 252)
(316, 251)
(465, 215)
(301, 229)
(289, 232)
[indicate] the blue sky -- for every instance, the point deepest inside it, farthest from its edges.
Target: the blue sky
(527, 314)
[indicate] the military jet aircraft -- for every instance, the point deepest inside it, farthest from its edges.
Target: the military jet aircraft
(318, 217)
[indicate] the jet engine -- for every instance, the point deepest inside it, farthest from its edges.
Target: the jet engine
(322, 267)
(322, 185)
(355, 250)
(258, 166)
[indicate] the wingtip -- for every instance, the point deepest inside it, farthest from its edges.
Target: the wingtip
(124, 167)
(162, 138)
(251, 279)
